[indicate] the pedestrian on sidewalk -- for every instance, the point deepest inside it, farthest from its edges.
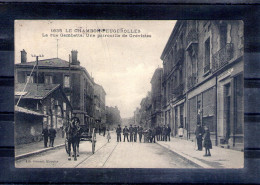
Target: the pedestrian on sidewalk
(207, 141)
(118, 133)
(52, 135)
(140, 133)
(45, 134)
(199, 134)
(125, 133)
(131, 132)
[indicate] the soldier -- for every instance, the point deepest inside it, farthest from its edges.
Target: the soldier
(52, 135)
(118, 132)
(153, 135)
(168, 135)
(125, 132)
(161, 135)
(131, 130)
(45, 134)
(158, 133)
(135, 133)
(164, 133)
(140, 133)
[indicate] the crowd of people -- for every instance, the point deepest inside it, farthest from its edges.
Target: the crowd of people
(148, 135)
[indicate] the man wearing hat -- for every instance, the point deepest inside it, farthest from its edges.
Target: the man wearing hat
(131, 131)
(135, 133)
(199, 133)
(118, 133)
(125, 132)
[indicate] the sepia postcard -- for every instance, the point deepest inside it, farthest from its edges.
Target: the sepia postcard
(129, 94)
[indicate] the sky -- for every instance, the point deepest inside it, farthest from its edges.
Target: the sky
(122, 65)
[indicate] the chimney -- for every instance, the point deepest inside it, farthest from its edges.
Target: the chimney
(23, 56)
(74, 57)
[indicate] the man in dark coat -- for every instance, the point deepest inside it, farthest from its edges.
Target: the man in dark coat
(161, 133)
(168, 134)
(131, 132)
(135, 133)
(199, 133)
(118, 133)
(158, 133)
(153, 135)
(45, 134)
(52, 135)
(164, 133)
(125, 133)
(104, 130)
(140, 133)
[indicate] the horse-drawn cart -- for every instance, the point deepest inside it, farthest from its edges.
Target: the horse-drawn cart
(82, 133)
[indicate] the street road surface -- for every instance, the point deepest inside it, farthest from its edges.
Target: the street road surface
(108, 155)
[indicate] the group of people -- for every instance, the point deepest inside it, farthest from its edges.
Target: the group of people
(203, 139)
(48, 135)
(150, 134)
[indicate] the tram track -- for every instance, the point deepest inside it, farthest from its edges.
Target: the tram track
(97, 151)
(90, 155)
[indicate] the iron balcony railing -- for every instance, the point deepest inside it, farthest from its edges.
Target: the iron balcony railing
(222, 57)
(206, 68)
(179, 56)
(192, 79)
(192, 37)
(178, 90)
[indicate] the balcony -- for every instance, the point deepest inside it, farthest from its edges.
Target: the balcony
(178, 91)
(192, 39)
(179, 56)
(192, 80)
(207, 68)
(222, 57)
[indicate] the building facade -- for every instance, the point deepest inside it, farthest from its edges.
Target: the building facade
(156, 97)
(37, 106)
(203, 79)
(74, 79)
(99, 104)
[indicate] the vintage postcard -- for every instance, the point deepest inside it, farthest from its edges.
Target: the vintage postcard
(129, 94)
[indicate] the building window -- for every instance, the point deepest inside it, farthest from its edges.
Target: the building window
(29, 79)
(48, 79)
(207, 56)
(66, 81)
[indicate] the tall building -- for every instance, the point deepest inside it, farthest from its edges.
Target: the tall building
(74, 79)
(99, 104)
(203, 79)
(156, 97)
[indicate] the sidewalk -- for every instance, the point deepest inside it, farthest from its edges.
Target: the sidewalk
(220, 157)
(36, 147)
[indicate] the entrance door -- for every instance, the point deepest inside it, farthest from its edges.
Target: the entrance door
(227, 104)
(176, 121)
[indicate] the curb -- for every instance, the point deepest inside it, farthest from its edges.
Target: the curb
(37, 152)
(187, 158)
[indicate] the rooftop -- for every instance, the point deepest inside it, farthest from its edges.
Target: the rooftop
(33, 92)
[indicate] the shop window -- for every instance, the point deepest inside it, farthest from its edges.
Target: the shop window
(29, 79)
(207, 56)
(67, 81)
(48, 79)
